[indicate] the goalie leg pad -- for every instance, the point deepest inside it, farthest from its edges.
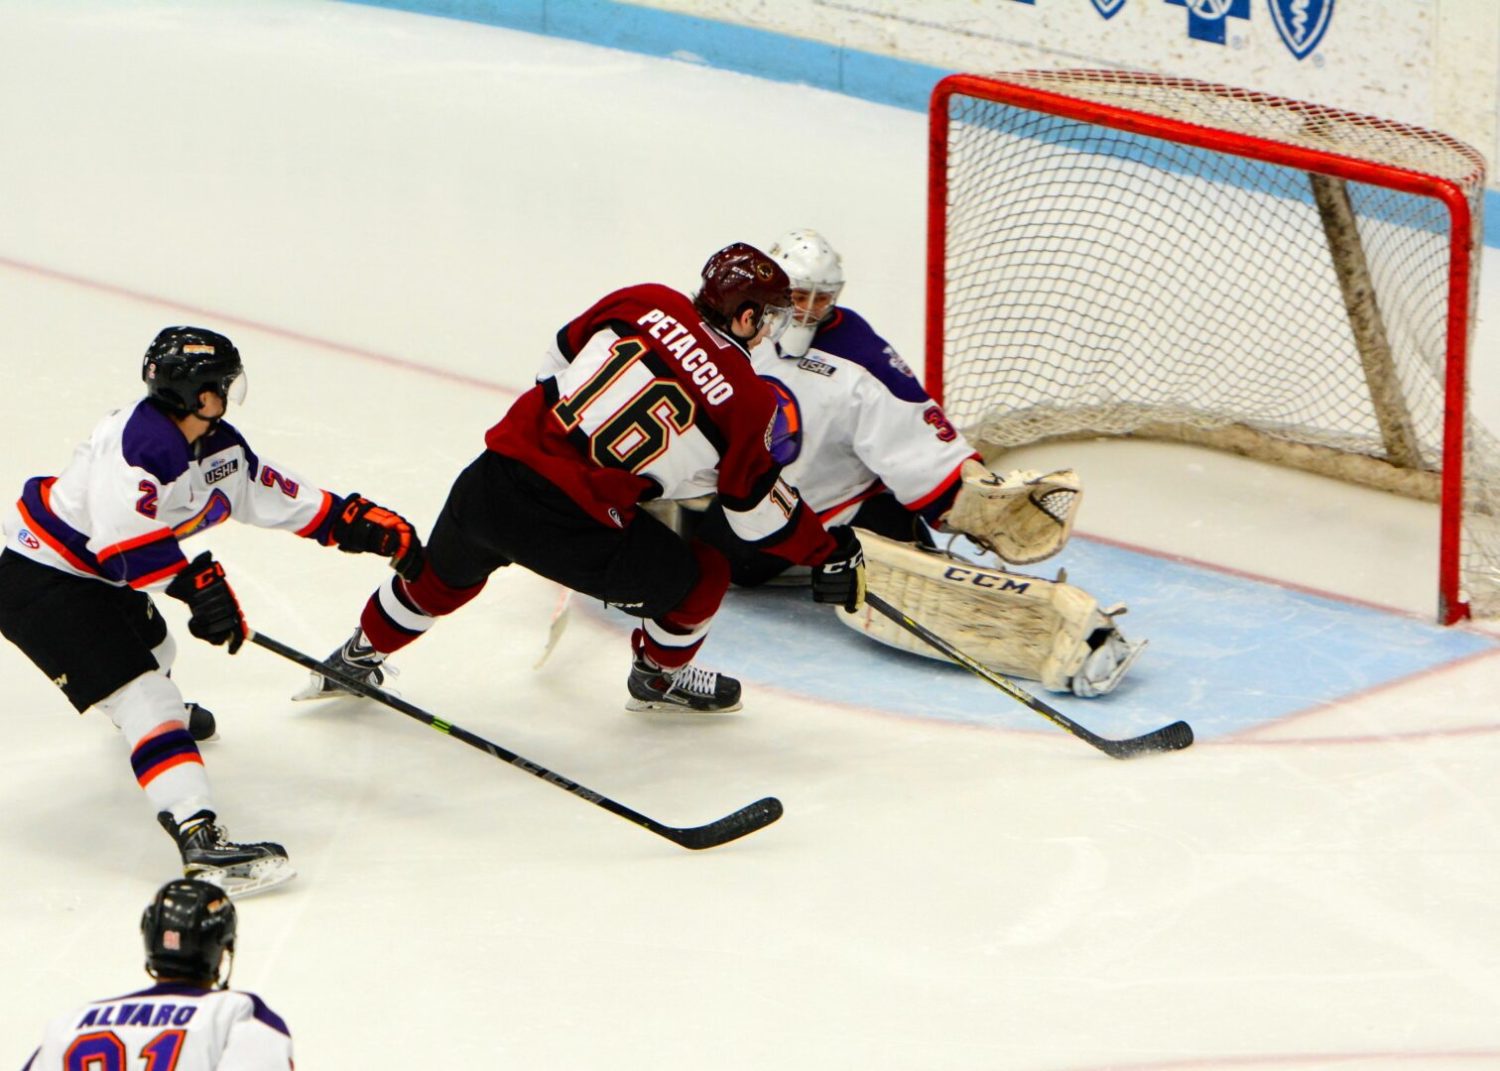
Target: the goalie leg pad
(1019, 625)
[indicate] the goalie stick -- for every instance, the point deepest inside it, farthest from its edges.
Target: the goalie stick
(742, 822)
(1172, 737)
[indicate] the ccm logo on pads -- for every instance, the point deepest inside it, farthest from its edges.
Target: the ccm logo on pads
(960, 575)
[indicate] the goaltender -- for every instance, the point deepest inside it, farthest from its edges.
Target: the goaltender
(865, 445)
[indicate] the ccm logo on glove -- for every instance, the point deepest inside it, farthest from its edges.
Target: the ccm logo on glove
(363, 527)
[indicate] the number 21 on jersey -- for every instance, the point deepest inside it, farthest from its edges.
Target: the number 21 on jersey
(631, 435)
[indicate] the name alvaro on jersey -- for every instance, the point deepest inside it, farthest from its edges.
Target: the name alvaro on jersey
(684, 346)
(132, 1014)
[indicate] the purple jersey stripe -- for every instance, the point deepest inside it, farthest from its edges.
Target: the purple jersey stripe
(147, 559)
(848, 336)
(64, 534)
(267, 1016)
(152, 442)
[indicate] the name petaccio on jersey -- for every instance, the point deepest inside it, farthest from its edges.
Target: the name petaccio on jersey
(682, 344)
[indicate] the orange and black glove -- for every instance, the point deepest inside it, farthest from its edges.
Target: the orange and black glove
(216, 615)
(362, 527)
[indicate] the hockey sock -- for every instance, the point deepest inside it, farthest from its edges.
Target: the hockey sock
(399, 611)
(673, 639)
(149, 713)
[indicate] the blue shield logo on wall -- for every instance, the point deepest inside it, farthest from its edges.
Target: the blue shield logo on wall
(1301, 23)
(1109, 8)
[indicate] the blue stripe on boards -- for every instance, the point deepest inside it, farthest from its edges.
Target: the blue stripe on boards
(763, 53)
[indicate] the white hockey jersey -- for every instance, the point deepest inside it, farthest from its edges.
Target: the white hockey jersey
(136, 488)
(855, 422)
(168, 1026)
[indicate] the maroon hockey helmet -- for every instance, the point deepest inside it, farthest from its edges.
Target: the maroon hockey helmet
(738, 277)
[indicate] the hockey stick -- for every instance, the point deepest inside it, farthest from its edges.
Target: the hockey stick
(1172, 737)
(555, 627)
(744, 821)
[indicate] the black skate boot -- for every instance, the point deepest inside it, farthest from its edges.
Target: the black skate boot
(209, 855)
(357, 659)
(685, 690)
(201, 723)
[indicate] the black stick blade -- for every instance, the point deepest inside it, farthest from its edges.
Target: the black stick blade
(741, 823)
(1172, 737)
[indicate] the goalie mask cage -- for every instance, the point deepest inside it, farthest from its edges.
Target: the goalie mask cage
(1115, 253)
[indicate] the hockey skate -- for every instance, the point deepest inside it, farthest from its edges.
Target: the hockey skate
(1110, 657)
(688, 690)
(201, 723)
(357, 659)
(209, 855)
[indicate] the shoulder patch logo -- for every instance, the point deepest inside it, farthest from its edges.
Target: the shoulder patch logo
(26, 539)
(898, 364)
(1301, 23)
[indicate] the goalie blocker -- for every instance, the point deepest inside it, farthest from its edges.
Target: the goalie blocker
(1022, 626)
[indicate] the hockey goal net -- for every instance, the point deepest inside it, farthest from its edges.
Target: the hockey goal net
(1122, 254)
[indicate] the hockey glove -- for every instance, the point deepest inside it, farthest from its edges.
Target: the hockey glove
(363, 527)
(216, 615)
(840, 578)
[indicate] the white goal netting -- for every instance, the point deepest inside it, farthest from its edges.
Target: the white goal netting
(1125, 254)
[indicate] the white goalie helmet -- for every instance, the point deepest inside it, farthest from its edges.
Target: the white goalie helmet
(817, 274)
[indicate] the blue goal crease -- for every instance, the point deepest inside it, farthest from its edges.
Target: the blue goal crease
(1227, 652)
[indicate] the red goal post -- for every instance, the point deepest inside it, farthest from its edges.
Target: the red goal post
(1126, 254)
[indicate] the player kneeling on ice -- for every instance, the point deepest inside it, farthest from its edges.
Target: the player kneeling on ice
(866, 446)
(84, 548)
(648, 394)
(190, 1020)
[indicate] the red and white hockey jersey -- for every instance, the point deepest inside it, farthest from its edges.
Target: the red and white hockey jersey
(640, 399)
(136, 488)
(168, 1026)
(855, 422)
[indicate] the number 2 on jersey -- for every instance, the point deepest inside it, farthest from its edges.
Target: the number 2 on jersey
(634, 434)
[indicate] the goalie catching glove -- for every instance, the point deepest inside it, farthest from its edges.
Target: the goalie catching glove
(1023, 516)
(362, 527)
(1019, 625)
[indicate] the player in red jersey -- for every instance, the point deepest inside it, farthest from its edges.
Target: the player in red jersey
(649, 394)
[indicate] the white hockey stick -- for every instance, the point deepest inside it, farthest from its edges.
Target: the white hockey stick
(557, 625)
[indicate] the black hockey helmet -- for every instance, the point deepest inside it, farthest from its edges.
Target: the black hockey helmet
(738, 277)
(187, 930)
(182, 362)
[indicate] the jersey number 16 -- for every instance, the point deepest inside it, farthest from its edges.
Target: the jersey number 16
(634, 434)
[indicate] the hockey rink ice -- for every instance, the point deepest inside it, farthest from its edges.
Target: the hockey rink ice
(390, 215)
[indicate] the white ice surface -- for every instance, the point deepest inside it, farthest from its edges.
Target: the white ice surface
(390, 215)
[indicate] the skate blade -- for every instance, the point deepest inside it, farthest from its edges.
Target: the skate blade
(653, 706)
(249, 878)
(318, 687)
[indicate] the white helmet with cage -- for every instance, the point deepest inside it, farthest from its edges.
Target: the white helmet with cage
(817, 274)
